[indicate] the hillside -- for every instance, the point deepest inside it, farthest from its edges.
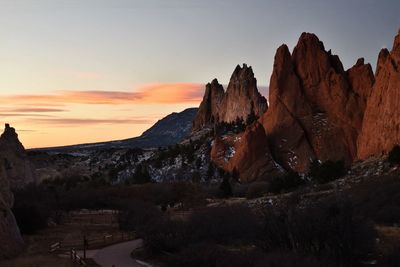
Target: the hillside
(169, 130)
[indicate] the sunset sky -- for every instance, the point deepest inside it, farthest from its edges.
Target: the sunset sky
(76, 71)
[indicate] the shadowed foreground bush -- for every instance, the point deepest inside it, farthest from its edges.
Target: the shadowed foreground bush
(324, 234)
(285, 183)
(394, 155)
(378, 199)
(326, 171)
(222, 225)
(328, 231)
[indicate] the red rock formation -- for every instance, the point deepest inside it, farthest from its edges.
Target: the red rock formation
(381, 125)
(361, 78)
(287, 105)
(239, 101)
(209, 107)
(247, 153)
(242, 96)
(314, 111)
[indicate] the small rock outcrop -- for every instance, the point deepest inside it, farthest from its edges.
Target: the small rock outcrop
(247, 153)
(18, 167)
(11, 240)
(241, 99)
(381, 125)
(316, 107)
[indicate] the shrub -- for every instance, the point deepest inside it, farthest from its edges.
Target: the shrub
(137, 214)
(33, 207)
(287, 182)
(394, 155)
(389, 214)
(225, 188)
(391, 258)
(326, 171)
(378, 199)
(328, 230)
(281, 258)
(31, 217)
(221, 225)
(212, 255)
(164, 235)
(257, 189)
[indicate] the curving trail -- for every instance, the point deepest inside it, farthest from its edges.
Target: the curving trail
(118, 255)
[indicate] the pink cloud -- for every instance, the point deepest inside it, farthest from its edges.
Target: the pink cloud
(166, 93)
(90, 121)
(32, 110)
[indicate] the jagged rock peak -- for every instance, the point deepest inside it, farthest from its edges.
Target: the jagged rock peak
(362, 79)
(310, 40)
(310, 50)
(312, 102)
(214, 82)
(208, 111)
(242, 72)
(396, 45)
(9, 131)
(359, 62)
(381, 124)
(241, 99)
(9, 138)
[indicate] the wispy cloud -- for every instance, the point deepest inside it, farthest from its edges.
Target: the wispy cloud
(32, 110)
(167, 93)
(89, 121)
(27, 115)
(28, 131)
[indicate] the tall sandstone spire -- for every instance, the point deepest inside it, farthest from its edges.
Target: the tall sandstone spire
(381, 125)
(316, 107)
(241, 99)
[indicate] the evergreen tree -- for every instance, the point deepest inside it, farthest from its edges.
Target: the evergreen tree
(225, 188)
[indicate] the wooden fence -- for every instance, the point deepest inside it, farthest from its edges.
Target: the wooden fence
(92, 243)
(76, 258)
(54, 247)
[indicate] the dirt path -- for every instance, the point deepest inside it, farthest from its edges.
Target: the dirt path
(118, 255)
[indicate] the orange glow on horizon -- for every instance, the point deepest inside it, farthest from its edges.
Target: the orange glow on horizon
(75, 117)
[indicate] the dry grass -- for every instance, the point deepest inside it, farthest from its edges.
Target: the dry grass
(46, 260)
(37, 253)
(389, 237)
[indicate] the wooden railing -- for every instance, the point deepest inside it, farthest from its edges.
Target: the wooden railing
(54, 247)
(76, 258)
(92, 243)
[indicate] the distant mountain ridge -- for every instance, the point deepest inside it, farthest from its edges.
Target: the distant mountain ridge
(169, 130)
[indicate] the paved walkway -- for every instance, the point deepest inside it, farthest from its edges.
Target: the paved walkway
(118, 255)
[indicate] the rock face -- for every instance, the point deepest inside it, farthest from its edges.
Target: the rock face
(316, 108)
(241, 99)
(248, 153)
(208, 111)
(11, 240)
(170, 130)
(17, 165)
(381, 125)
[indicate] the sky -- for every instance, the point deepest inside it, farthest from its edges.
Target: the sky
(78, 71)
